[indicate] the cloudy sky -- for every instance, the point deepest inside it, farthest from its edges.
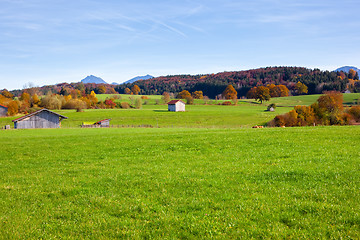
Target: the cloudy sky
(48, 42)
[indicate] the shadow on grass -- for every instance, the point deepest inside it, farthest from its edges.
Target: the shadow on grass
(160, 110)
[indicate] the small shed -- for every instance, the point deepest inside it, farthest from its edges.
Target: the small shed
(103, 123)
(3, 110)
(176, 106)
(42, 118)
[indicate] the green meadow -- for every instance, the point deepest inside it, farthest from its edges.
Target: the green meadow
(246, 113)
(199, 174)
(180, 183)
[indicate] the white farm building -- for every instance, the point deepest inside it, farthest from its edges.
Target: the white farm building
(176, 106)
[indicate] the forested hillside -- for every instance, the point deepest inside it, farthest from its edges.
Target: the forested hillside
(212, 85)
(316, 80)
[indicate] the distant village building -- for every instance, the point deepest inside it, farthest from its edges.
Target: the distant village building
(42, 118)
(103, 123)
(3, 110)
(176, 106)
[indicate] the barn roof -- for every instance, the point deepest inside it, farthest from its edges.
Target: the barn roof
(3, 106)
(98, 122)
(37, 112)
(172, 102)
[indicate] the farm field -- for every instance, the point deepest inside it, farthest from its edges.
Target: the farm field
(247, 113)
(300, 183)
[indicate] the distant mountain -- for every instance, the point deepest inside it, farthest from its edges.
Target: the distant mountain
(347, 69)
(139, 78)
(93, 79)
(114, 83)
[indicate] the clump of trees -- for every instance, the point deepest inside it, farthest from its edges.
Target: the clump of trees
(327, 110)
(262, 93)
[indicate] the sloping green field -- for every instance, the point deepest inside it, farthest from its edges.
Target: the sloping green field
(246, 113)
(164, 183)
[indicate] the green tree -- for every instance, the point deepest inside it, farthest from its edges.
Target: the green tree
(262, 94)
(301, 88)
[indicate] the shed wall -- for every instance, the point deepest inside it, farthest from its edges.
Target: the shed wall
(105, 123)
(180, 107)
(172, 108)
(42, 120)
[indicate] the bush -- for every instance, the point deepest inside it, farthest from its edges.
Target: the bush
(125, 105)
(138, 103)
(75, 104)
(226, 103)
(189, 100)
(144, 97)
(273, 106)
(355, 113)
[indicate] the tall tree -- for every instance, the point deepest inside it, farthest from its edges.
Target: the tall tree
(301, 88)
(135, 89)
(229, 92)
(262, 94)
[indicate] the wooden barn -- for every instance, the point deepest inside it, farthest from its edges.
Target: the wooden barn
(103, 123)
(176, 106)
(42, 118)
(3, 110)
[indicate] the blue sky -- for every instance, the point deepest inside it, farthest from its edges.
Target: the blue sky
(48, 42)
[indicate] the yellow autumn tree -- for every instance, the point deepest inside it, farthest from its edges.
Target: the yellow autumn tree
(229, 92)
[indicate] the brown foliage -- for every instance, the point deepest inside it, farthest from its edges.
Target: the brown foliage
(7, 94)
(227, 103)
(135, 89)
(125, 105)
(331, 102)
(166, 97)
(101, 89)
(13, 108)
(229, 92)
(355, 113)
(189, 100)
(197, 95)
(127, 91)
(183, 94)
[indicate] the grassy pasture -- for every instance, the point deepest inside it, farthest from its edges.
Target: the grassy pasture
(300, 183)
(247, 113)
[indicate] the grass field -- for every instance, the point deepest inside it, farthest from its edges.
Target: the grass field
(247, 113)
(294, 183)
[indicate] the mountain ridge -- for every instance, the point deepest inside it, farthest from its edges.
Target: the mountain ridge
(93, 79)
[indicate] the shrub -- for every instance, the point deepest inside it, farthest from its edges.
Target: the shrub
(75, 104)
(226, 103)
(273, 106)
(189, 100)
(125, 105)
(138, 103)
(110, 103)
(144, 97)
(355, 113)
